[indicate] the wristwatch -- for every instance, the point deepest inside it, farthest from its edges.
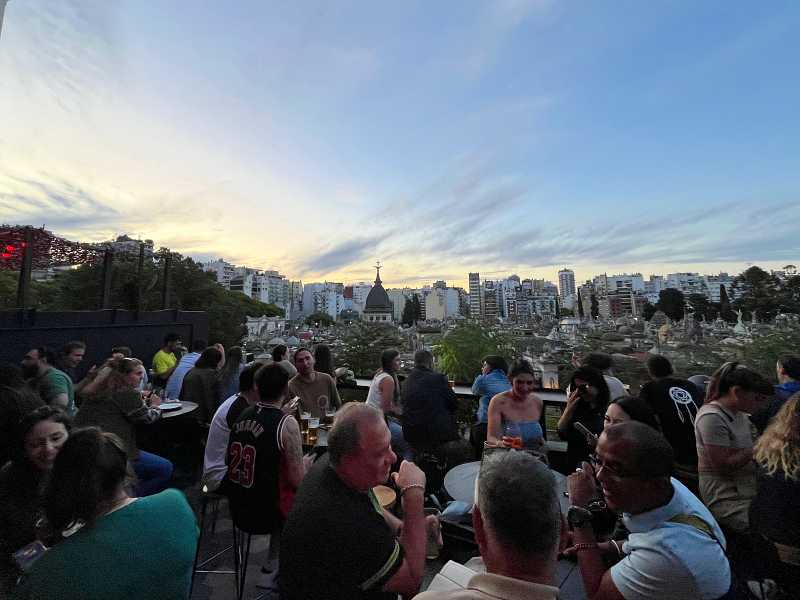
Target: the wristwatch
(577, 516)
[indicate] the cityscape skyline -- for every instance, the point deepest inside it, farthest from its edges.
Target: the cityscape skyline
(501, 137)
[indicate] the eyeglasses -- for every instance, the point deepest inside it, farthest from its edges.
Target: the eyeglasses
(614, 471)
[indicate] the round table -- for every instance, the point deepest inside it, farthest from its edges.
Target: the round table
(460, 483)
(186, 407)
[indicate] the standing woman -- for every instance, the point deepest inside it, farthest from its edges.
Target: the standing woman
(384, 395)
(35, 445)
(725, 438)
(586, 405)
(110, 545)
(323, 360)
(520, 406)
(118, 407)
(229, 374)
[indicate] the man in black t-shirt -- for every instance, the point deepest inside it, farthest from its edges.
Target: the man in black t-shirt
(338, 543)
(675, 402)
(264, 456)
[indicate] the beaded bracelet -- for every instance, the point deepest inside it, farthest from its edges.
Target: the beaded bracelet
(413, 485)
(586, 546)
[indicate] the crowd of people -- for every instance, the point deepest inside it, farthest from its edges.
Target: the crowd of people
(697, 478)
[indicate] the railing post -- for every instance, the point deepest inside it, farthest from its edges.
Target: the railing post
(24, 286)
(108, 268)
(165, 290)
(139, 280)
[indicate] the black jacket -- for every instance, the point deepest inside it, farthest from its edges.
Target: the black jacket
(429, 409)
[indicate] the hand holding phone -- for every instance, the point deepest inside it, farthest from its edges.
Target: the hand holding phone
(591, 438)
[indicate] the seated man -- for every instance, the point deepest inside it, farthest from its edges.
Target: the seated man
(317, 391)
(517, 521)
(338, 543)
(165, 361)
(54, 386)
(675, 549)
(214, 467)
(429, 406)
(185, 364)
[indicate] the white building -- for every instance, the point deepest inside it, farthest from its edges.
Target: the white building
(633, 282)
(566, 283)
(713, 283)
(323, 297)
(475, 300)
(688, 283)
(436, 305)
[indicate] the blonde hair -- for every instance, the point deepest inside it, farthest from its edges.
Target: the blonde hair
(778, 449)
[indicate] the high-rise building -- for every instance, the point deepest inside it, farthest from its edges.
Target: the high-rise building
(475, 300)
(490, 311)
(566, 283)
(224, 271)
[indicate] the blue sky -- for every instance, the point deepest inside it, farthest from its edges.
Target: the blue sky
(505, 137)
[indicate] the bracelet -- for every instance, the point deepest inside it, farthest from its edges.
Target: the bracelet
(586, 546)
(616, 545)
(411, 486)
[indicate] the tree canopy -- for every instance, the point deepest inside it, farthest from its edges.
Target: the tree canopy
(461, 350)
(671, 302)
(191, 288)
(363, 344)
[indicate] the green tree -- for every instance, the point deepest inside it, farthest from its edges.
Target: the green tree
(725, 311)
(763, 353)
(580, 306)
(702, 307)
(417, 305)
(757, 290)
(648, 310)
(671, 302)
(595, 307)
(407, 317)
(363, 344)
(190, 289)
(319, 319)
(461, 350)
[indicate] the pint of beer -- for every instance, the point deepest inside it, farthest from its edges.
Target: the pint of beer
(313, 430)
(304, 417)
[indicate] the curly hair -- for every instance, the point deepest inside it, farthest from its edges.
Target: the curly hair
(778, 448)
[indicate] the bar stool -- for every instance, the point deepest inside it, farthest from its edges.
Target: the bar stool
(241, 556)
(212, 498)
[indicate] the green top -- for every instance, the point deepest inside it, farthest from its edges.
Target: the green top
(143, 550)
(163, 362)
(53, 383)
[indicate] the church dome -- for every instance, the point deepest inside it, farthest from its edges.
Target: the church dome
(377, 299)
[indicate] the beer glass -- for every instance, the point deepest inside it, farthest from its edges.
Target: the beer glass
(313, 430)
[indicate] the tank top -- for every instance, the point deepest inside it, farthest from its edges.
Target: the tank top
(254, 465)
(374, 394)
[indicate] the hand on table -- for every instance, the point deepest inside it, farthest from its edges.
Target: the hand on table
(155, 400)
(434, 528)
(581, 485)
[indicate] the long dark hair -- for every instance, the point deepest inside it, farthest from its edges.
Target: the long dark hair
(27, 423)
(595, 379)
(233, 364)
(88, 471)
(387, 358)
(323, 360)
(209, 359)
(638, 410)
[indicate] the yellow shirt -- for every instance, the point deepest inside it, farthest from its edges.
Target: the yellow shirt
(163, 362)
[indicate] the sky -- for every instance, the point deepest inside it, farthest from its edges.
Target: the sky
(502, 137)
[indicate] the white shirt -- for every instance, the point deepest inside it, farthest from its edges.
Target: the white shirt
(374, 393)
(671, 560)
(214, 467)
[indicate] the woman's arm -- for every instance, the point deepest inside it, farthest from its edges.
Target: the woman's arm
(494, 430)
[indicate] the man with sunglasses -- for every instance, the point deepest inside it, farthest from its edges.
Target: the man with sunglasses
(675, 548)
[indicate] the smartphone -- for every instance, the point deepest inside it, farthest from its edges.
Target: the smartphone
(27, 555)
(591, 438)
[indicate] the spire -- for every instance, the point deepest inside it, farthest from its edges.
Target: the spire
(378, 274)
